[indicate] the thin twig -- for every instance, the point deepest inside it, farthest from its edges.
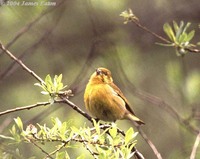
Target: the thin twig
(21, 63)
(76, 108)
(149, 142)
(11, 68)
(30, 24)
(195, 146)
(157, 101)
(41, 149)
(56, 150)
(161, 103)
(24, 107)
(88, 148)
(192, 50)
(149, 31)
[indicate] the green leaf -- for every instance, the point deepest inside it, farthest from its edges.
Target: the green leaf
(44, 92)
(168, 30)
(96, 125)
(182, 38)
(190, 35)
(180, 30)
(19, 123)
(82, 156)
(176, 27)
(48, 79)
(186, 27)
(6, 137)
(15, 134)
(167, 45)
(129, 135)
(38, 84)
(61, 155)
(113, 132)
(59, 79)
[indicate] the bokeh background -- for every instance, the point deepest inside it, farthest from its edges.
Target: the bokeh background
(74, 37)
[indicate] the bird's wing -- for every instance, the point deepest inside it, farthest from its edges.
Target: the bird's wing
(120, 94)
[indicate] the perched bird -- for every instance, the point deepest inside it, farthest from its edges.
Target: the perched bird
(105, 101)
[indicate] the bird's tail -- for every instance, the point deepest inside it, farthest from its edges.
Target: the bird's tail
(134, 119)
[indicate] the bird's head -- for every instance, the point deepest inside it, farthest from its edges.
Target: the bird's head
(101, 75)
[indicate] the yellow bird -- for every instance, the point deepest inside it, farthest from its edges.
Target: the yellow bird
(105, 101)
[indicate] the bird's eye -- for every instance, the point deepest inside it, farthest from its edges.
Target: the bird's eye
(105, 73)
(98, 71)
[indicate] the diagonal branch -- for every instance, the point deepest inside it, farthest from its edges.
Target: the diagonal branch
(20, 63)
(41, 149)
(29, 25)
(192, 50)
(195, 146)
(149, 142)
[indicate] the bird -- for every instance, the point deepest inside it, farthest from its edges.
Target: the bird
(105, 101)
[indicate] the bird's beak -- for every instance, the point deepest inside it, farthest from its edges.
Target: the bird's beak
(98, 71)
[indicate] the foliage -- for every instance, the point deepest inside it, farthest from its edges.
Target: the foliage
(54, 87)
(102, 141)
(179, 37)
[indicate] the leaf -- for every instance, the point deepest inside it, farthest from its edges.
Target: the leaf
(113, 132)
(38, 84)
(182, 38)
(44, 92)
(48, 79)
(167, 45)
(129, 135)
(19, 123)
(96, 125)
(186, 27)
(60, 155)
(59, 79)
(176, 27)
(180, 30)
(6, 137)
(82, 156)
(190, 35)
(168, 30)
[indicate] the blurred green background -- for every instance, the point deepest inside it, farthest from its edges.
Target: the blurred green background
(74, 37)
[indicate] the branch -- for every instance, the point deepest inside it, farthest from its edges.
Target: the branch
(161, 103)
(76, 108)
(156, 101)
(24, 107)
(21, 63)
(151, 32)
(32, 23)
(136, 21)
(194, 149)
(11, 68)
(149, 142)
(41, 149)
(56, 150)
